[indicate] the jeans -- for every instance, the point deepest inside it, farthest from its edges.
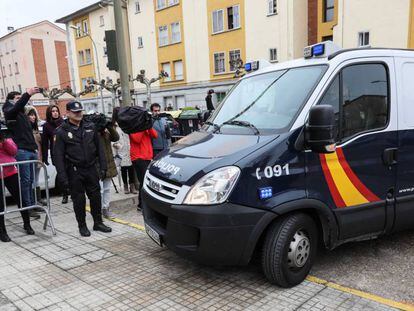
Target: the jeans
(128, 175)
(27, 176)
(140, 168)
(106, 192)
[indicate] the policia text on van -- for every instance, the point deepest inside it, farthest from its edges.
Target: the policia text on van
(299, 153)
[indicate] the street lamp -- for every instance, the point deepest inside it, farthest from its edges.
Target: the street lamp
(77, 28)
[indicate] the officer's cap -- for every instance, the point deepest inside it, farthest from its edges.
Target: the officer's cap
(74, 106)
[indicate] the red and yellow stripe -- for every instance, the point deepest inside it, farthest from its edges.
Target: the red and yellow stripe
(345, 186)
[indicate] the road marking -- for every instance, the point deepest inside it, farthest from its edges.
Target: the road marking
(313, 279)
(359, 293)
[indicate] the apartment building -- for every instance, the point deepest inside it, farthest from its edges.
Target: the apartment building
(357, 23)
(34, 55)
(200, 44)
(87, 51)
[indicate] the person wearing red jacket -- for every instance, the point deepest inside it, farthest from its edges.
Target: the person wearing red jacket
(141, 155)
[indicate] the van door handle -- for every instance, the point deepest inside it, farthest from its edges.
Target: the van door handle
(389, 156)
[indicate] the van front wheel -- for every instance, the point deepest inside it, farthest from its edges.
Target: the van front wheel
(289, 249)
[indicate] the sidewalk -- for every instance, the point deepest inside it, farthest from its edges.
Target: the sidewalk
(125, 270)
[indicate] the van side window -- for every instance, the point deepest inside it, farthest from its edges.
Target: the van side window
(365, 98)
(359, 96)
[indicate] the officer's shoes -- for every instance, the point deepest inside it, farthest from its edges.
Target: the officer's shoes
(84, 231)
(102, 228)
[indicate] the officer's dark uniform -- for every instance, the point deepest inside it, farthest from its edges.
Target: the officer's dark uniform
(76, 153)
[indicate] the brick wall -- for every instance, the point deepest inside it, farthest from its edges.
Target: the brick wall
(39, 63)
(312, 21)
(62, 61)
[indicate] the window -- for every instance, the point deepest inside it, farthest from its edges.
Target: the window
(78, 30)
(13, 48)
(88, 56)
(360, 101)
(163, 35)
(363, 38)
(327, 38)
(175, 32)
(101, 21)
(84, 83)
(180, 101)
(20, 88)
(178, 70)
(140, 43)
(2, 93)
(85, 27)
(219, 63)
(218, 23)
(272, 7)
(81, 56)
(273, 55)
(7, 47)
(172, 2)
(233, 17)
(10, 70)
(234, 57)
(167, 68)
(4, 72)
(329, 10)
(137, 7)
(220, 96)
(161, 4)
(16, 68)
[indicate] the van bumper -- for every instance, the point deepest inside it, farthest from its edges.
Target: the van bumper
(224, 234)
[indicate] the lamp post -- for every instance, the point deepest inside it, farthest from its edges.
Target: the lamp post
(97, 65)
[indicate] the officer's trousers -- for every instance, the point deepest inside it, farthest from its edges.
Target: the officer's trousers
(81, 181)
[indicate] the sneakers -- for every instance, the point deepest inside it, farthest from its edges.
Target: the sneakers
(29, 230)
(107, 213)
(84, 231)
(126, 189)
(101, 227)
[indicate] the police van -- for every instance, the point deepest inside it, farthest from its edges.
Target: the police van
(313, 152)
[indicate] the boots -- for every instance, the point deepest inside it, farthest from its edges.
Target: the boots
(100, 226)
(3, 233)
(65, 199)
(28, 228)
(84, 231)
(126, 189)
(40, 201)
(133, 189)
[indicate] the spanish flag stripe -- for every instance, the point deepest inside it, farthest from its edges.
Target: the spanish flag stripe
(331, 184)
(349, 193)
(371, 197)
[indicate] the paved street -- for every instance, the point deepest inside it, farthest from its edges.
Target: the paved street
(125, 270)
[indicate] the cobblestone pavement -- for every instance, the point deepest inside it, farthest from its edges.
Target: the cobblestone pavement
(125, 270)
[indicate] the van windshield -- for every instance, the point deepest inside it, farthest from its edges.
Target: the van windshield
(268, 101)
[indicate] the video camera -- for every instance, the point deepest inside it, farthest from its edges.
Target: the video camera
(99, 119)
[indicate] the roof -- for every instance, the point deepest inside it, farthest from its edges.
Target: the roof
(32, 26)
(86, 10)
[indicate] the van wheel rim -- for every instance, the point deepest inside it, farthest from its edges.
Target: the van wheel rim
(299, 250)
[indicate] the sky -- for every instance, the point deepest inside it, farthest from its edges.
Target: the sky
(19, 13)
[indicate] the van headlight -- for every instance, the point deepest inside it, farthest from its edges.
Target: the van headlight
(213, 188)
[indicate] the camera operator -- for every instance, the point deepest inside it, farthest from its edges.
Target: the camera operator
(22, 134)
(77, 148)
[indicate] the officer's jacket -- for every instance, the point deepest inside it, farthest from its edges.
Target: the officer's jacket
(79, 147)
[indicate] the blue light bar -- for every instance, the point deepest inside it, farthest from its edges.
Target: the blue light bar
(248, 66)
(265, 193)
(318, 50)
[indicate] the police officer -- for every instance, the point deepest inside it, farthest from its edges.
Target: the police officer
(77, 149)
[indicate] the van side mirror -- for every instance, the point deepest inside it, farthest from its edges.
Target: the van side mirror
(320, 130)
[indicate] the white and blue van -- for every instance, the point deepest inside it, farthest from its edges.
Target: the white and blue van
(315, 151)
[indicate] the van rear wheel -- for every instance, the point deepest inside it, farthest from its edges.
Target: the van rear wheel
(289, 249)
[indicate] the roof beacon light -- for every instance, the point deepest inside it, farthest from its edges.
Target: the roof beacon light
(256, 65)
(323, 49)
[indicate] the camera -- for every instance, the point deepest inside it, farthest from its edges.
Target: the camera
(100, 120)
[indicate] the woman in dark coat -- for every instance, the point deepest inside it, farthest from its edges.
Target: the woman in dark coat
(53, 121)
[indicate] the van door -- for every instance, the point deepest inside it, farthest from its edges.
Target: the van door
(404, 218)
(355, 181)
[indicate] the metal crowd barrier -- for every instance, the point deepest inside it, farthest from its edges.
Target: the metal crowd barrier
(46, 209)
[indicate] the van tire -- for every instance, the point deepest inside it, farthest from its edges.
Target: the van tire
(285, 232)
